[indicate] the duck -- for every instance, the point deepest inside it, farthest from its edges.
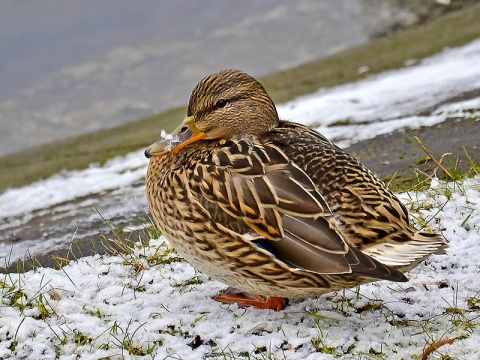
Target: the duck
(270, 207)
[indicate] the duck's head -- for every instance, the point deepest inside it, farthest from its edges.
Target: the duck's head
(223, 105)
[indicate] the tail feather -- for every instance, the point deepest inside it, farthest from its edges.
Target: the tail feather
(405, 256)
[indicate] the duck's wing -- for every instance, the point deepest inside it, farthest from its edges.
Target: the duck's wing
(282, 209)
(373, 219)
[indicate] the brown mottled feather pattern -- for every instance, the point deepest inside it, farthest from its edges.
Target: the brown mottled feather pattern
(358, 200)
(370, 215)
(279, 211)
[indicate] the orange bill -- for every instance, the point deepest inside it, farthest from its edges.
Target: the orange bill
(183, 135)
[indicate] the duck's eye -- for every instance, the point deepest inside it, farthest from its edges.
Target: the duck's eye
(220, 104)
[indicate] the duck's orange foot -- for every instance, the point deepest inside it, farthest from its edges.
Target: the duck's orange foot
(243, 299)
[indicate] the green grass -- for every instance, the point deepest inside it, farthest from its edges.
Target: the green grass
(446, 167)
(382, 54)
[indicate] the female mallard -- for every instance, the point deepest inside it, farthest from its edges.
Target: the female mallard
(272, 207)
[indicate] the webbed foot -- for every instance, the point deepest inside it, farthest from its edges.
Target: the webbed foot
(243, 299)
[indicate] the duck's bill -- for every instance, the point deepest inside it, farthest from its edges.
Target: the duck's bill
(183, 135)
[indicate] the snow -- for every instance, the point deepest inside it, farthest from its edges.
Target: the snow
(116, 173)
(392, 100)
(104, 306)
(94, 305)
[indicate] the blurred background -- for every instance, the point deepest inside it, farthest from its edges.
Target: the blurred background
(70, 67)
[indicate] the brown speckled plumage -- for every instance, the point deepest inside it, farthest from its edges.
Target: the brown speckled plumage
(272, 207)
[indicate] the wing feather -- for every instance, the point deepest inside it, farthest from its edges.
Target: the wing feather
(281, 205)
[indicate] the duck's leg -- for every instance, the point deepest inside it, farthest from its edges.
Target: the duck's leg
(243, 299)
